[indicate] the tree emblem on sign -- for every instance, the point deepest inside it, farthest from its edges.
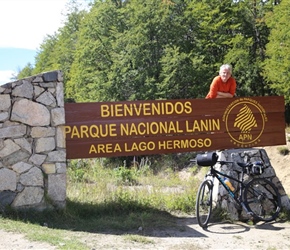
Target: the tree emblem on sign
(245, 120)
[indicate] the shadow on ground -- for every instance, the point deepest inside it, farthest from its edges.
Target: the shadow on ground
(128, 218)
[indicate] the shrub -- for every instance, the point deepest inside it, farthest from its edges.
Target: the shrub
(125, 175)
(283, 150)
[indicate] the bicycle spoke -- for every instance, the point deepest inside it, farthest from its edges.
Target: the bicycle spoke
(262, 199)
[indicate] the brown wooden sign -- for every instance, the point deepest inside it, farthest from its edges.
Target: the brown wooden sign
(106, 129)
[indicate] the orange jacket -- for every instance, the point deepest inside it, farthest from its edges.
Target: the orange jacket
(218, 85)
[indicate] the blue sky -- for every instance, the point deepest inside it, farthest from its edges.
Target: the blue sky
(23, 26)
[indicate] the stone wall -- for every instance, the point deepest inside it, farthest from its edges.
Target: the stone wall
(32, 143)
(220, 195)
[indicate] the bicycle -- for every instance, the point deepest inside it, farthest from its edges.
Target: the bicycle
(259, 197)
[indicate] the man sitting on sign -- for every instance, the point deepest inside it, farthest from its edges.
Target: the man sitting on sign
(223, 85)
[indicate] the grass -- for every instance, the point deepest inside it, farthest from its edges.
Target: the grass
(138, 238)
(104, 200)
(131, 202)
(37, 232)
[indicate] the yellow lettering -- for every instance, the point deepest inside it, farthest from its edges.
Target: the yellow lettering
(176, 144)
(109, 148)
(192, 143)
(156, 108)
(154, 128)
(105, 148)
(162, 144)
(207, 142)
(138, 110)
(105, 111)
(179, 108)
(112, 129)
(169, 145)
(94, 131)
(133, 130)
(75, 132)
(128, 110)
(188, 108)
(101, 148)
(141, 146)
(134, 146)
(245, 136)
(203, 125)
(119, 110)
(142, 128)
(169, 108)
(147, 109)
(184, 144)
(124, 129)
(117, 148)
(195, 126)
(67, 130)
(92, 149)
(171, 128)
(84, 131)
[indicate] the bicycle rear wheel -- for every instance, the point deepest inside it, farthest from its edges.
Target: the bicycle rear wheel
(262, 198)
(203, 206)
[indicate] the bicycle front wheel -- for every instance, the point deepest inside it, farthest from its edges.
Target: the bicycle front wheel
(203, 205)
(262, 198)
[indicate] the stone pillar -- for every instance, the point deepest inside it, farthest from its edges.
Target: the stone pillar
(32, 142)
(220, 195)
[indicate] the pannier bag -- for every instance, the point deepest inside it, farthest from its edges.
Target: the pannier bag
(207, 159)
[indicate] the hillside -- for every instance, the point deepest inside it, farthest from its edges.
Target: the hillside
(281, 164)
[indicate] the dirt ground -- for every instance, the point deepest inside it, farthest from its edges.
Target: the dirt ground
(189, 235)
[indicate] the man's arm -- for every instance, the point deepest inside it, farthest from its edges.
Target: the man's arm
(224, 95)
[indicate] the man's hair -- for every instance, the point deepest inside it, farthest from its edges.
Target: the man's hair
(226, 66)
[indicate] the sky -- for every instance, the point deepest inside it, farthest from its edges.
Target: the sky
(23, 26)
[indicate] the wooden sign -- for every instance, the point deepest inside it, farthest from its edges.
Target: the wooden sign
(106, 129)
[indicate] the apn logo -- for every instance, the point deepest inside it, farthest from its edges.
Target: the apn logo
(245, 122)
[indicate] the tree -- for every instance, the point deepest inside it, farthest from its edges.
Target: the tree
(138, 50)
(248, 47)
(26, 71)
(93, 55)
(44, 59)
(277, 64)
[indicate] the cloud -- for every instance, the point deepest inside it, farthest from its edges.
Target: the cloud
(5, 76)
(25, 23)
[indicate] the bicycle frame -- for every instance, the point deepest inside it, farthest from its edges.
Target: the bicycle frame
(239, 199)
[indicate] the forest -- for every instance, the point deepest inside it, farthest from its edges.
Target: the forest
(118, 50)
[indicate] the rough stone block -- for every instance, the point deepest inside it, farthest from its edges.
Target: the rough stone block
(50, 76)
(57, 187)
(8, 179)
(5, 102)
(49, 168)
(28, 197)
